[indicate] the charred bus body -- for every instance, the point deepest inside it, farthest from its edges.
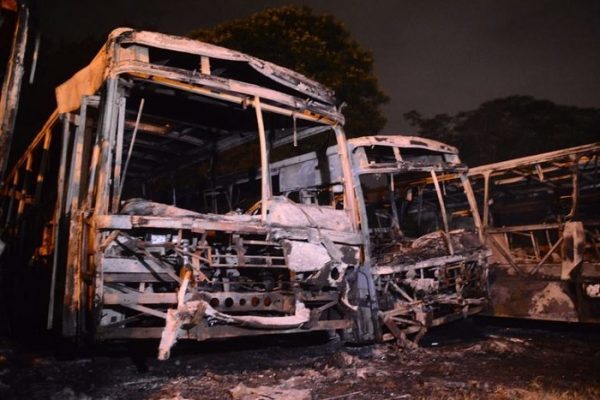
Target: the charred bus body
(425, 257)
(146, 108)
(162, 200)
(542, 223)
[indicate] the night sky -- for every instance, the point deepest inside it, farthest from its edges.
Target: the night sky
(432, 56)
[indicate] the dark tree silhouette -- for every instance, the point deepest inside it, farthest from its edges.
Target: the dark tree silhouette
(510, 127)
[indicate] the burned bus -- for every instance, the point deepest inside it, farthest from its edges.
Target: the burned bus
(187, 191)
(423, 248)
(541, 221)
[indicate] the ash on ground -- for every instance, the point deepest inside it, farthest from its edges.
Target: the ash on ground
(460, 361)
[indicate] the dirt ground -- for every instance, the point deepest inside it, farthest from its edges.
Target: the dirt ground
(460, 361)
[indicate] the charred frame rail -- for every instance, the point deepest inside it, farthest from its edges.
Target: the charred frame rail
(541, 220)
(11, 85)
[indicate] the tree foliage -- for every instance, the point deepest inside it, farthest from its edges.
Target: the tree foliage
(510, 127)
(317, 46)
